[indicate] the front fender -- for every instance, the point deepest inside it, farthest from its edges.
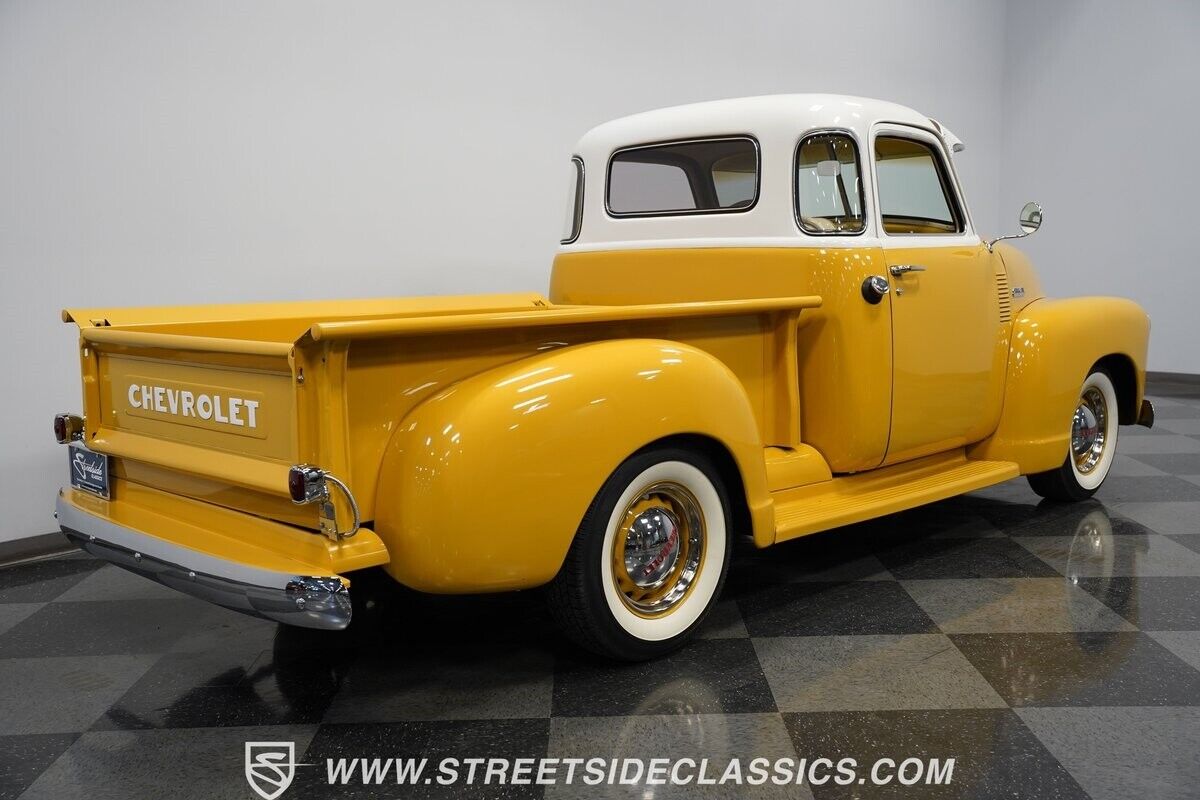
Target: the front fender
(1054, 344)
(483, 485)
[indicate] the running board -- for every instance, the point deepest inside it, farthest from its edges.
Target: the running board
(866, 495)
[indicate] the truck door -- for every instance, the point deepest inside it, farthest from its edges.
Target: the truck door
(845, 347)
(948, 347)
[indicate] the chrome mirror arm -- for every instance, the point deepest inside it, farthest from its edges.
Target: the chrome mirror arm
(1003, 238)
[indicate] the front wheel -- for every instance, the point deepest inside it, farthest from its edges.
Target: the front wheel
(649, 558)
(1092, 448)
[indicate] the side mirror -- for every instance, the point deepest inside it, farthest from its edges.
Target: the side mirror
(1030, 220)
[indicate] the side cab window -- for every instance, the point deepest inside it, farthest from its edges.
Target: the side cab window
(916, 196)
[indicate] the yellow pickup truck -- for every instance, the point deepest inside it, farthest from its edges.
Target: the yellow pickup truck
(768, 317)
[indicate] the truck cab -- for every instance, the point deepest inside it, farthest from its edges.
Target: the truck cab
(851, 199)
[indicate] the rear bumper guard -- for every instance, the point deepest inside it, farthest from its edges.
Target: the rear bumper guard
(321, 602)
(1146, 414)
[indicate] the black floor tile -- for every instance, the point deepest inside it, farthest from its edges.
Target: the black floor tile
(110, 582)
(463, 681)
(206, 691)
(713, 676)
(39, 581)
(1181, 410)
(1129, 432)
(1122, 489)
(964, 558)
(24, 758)
(159, 764)
(243, 637)
(1126, 753)
(1152, 604)
(400, 619)
(1190, 541)
(839, 554)
(1014, 508)
(1081, 669)
(1070, 524)
(937, 518)
(833, 609)
(995, 754)
(105, 627)
(435, 741)
(1174, 463)
(64, 694)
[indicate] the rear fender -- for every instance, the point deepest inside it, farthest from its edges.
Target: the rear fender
(483, 485)
(1054, 344)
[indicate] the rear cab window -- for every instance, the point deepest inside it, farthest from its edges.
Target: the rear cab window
(692, 177)
(574, 218)
(829, 191)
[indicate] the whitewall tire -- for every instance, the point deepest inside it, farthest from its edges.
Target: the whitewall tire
(649, 558)
(1092, 445)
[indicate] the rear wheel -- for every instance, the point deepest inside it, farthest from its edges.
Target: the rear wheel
(649, 558)
(1093, 445)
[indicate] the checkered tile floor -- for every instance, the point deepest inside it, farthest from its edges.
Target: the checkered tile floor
(1053, 651)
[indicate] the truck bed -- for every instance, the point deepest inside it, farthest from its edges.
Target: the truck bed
(329, 381)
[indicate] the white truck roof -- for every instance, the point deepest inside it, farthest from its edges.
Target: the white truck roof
(765, 117)
(776, 122)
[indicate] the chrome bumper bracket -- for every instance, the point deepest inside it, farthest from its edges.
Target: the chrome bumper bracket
(1146, 415)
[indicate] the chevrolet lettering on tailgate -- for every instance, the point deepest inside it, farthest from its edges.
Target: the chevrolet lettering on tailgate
(196, 405)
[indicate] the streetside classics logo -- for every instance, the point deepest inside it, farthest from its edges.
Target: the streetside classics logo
(270, 767)
(234, 411)
(87, 469)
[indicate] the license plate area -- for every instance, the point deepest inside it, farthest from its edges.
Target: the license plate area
(89, 470)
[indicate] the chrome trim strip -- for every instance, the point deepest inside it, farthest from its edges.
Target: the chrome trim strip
(305, 601)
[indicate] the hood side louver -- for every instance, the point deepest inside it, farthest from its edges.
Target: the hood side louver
(1005, 296)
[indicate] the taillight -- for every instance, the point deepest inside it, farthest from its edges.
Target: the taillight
(68, 428)
(309, 484)
(306, 484)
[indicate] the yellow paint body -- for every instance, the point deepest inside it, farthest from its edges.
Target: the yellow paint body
(474, 432)
(1055, 343)
(487, 481)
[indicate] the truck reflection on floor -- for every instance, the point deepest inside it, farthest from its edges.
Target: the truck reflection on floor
(411, 642)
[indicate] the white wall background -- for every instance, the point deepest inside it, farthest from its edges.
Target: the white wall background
(1101, 123)
(157, 152)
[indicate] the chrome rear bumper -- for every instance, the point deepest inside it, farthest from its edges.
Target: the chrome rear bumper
(306, 601)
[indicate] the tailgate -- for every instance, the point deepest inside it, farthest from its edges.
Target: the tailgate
(208, 418)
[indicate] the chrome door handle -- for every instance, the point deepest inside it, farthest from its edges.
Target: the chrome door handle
(900, 269)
